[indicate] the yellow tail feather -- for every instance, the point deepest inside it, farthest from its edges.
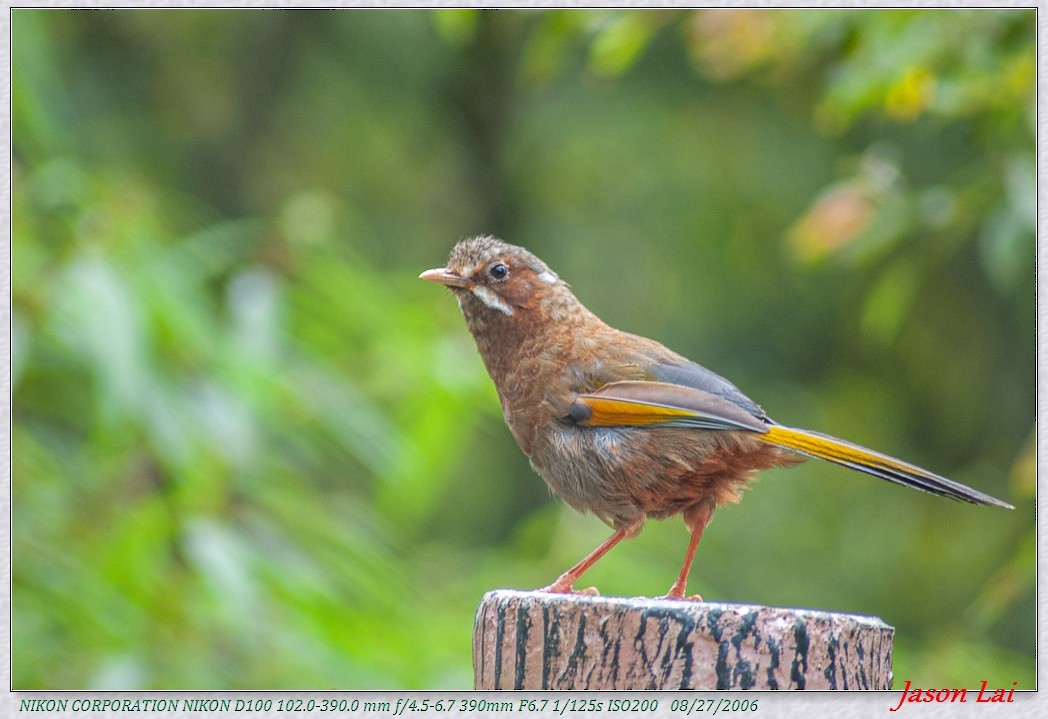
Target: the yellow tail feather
(873, 463)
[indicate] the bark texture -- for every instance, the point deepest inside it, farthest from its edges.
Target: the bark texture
(534, 640)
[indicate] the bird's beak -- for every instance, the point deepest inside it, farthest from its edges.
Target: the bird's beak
(444, 276)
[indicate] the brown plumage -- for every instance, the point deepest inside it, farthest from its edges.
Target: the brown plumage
(619, 425)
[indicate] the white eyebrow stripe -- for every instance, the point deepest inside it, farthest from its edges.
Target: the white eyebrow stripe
(491, 299)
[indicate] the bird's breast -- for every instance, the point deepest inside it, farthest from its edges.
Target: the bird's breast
(622, 474)
(586, 467)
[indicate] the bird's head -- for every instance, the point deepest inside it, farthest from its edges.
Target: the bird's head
(501, 284)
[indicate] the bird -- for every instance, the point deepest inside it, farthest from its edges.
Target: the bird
(617, 424)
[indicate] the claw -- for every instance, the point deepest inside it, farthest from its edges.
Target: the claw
(559, 588)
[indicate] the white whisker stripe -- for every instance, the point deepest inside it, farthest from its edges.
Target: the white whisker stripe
(491, 299)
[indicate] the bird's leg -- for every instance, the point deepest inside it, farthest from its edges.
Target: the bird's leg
(564, 581)
(681, 585)
(697, 518)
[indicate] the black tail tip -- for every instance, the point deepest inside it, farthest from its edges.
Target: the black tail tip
(976, 497)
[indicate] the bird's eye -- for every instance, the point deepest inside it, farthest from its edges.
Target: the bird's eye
(498, 271)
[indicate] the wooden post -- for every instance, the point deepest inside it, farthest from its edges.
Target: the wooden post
(534, 640)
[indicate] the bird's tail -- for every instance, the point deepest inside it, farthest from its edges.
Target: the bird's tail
(873, 463)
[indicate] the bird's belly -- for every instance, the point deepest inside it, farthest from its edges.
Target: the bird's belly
(622, 474)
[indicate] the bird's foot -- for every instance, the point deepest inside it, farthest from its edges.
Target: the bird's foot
(559, 587)
(677, 592)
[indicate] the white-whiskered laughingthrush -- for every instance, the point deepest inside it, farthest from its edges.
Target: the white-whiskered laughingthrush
(617, 424)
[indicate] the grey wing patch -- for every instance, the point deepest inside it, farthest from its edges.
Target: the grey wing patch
(696, 376)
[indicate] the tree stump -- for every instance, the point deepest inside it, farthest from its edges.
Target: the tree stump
(535, 640)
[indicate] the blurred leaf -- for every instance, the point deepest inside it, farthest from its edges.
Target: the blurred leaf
(836, 218)
(616, 46)
(889, 302)
(943, 658)
(727, 44)
(41, 112)
(1007, 587)
(1007, 237)
(548, 48)
(911, 94)
(20, 338)
(1023, 476)
(223, 561)
(456, 27)
(119, 673)
(96, 315)
(254, 304)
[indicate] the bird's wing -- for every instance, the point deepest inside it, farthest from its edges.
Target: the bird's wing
(690, 374)
(631, 403)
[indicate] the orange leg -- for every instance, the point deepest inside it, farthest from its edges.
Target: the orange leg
(564, 581)
(698, 519)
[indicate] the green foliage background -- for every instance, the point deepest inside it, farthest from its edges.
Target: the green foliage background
(251, 450)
